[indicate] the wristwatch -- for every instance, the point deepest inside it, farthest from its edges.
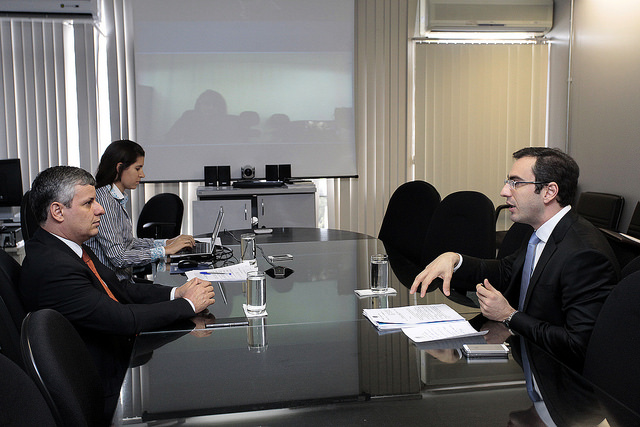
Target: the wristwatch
(507, 321)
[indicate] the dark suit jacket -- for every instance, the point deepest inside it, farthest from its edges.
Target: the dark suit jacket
(53, 276)
(573, 277)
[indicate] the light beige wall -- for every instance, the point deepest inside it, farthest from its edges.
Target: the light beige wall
(605, 98)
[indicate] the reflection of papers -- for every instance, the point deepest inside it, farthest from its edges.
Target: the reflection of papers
(440, 331)
(450, 343)
(395, 318)
(230, 273)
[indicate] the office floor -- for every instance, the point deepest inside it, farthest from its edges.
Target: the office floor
(472, 408)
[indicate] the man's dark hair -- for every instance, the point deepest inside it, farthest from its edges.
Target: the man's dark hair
(56, 184)
(552, 165)
(123, 151)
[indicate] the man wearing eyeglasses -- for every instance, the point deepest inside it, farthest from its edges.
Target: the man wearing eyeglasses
(552, 296)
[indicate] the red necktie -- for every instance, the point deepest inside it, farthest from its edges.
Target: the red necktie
(89, 262)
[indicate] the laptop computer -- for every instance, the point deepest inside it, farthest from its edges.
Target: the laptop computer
(202, 249)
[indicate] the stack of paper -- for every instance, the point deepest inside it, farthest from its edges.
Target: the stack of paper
(422, 323)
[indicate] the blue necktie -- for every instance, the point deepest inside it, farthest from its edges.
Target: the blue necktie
(527, 271)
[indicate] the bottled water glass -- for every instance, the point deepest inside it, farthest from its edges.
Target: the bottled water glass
(379, 279)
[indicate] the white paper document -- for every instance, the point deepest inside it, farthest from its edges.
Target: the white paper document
(441, 331)
(396, 318)
(422, 323)
(231, 273)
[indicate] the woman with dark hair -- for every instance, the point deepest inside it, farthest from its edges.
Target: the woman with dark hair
(121, 169)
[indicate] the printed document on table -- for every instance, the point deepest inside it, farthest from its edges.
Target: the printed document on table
(396, 318)
(440, 331)
(231, 273)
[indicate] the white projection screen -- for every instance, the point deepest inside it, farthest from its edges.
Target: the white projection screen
(244, 82)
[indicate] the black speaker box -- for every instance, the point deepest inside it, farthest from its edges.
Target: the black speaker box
(271, 172)
(211, 176)
(224, 175)
(284, 172)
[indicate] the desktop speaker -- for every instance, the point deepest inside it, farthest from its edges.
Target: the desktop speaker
(224, 175)
(271, 172)
(211, 176)
(284, 173)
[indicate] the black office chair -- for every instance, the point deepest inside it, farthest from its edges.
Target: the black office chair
(21, 403)
(630, 267)
(9, 336)
(517, 235)
(463, 222)
(601, 209)
(611, 361)
(634, 224)
(28, 223)
(500, 233)
(407, 218)
(626, 250)
(58, 361)
(9, 280)
(161, 217)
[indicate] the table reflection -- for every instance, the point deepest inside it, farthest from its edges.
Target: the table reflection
(568, 399)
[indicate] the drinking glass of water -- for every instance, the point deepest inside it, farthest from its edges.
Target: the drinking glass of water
(379, 269)
(256, 292)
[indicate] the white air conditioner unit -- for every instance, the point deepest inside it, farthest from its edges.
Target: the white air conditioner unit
(50, 8)
(534, 16)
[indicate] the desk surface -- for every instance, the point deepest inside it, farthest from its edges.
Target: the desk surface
(314, 351)
(204, 192)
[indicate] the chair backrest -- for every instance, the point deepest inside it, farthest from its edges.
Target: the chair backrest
(9, 279)
(28, 223)
(407, 218)
(21, 403)
(611, 360)
(58, 361)
(630, 267)
(9, 336)
(517, 235)
(634, 224)
(463, 222)
(161, 217)
(601, 209)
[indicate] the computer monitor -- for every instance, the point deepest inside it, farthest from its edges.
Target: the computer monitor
(10, 188)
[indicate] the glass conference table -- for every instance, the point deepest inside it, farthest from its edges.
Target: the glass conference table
(315, 360)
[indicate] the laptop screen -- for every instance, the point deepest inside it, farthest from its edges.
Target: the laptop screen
(216, 228)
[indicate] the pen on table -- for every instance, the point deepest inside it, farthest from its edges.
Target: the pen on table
(210, 273)
(224, 297)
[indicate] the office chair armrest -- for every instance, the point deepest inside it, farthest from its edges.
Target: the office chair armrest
(612, 234)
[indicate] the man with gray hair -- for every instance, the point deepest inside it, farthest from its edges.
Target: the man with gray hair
(61, 273)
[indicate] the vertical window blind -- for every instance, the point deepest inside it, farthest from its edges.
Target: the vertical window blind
(49, 94)
(474, 105)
